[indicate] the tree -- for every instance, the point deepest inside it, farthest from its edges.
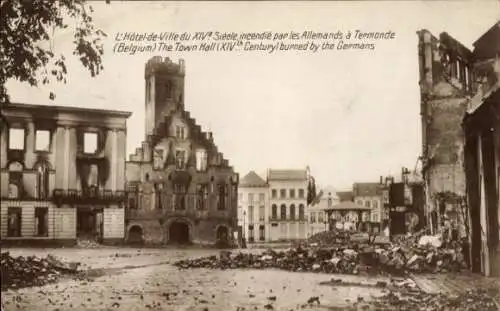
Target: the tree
(311, 190)
(26, 27)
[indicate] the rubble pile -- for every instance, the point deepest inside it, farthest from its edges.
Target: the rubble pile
(474, 300)
(414, 254)
(332, 237)
(88, 244)
(19, 272)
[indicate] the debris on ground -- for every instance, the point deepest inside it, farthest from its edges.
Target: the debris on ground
(88, 243)
(473, 300)
(19, 272)
(334, 252)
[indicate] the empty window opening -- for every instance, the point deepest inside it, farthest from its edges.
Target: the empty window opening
(16, 139)
(42, 142)
(14, 222)
(90, 143)
(41, 221)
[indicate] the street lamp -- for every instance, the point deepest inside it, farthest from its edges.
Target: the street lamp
(244, 225)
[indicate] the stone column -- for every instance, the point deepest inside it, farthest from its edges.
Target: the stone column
(114, 150)
(29, 160)
(3, 145)
(66, 157)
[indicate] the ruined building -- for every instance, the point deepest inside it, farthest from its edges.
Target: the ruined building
(62, 174)
(461, 145)
(482, 155)
(180, 187)
(446, 83)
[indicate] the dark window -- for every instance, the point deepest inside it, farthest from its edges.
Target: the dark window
(180, 159)
(301, 193)
(274, 211)
(283, 212)
(250, 234)
(42, 221)
(168, 89)
(283, 193)
(292, 212)
(222, 197)
(292, 193)
(14, 222)
(274, 193)
(15, 180)
(262, 235)
(202, 196)
(301, 212)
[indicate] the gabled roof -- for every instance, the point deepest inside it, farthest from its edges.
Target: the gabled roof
(252, 180)
(287, 174)
(368, 189)
(348, 206)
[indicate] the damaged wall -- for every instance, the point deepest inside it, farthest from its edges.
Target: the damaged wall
(445, 85)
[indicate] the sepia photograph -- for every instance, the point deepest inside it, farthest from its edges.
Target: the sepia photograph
(250, 155)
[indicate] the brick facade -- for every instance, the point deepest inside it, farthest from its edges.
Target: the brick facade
(180, 186)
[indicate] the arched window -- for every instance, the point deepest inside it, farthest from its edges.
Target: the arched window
(292, 212)
(15, 180)
(283, 211)
(42, 180)
(301, 212)
(274, 211)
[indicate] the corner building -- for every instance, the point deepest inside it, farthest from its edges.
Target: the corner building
(181, 189)
(62, 174)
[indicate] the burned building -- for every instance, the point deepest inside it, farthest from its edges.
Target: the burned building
(62, 174)
(446, 83)
(482, 155)
(180, 187)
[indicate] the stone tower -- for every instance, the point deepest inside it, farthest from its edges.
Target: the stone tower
(164, 89)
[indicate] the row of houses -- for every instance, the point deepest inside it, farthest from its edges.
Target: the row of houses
(64, 174)
(275, 207)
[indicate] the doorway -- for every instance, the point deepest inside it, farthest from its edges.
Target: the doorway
(178, 233)
(89, 223)
(223, 236)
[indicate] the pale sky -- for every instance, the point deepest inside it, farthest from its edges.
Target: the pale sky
(350, 115)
